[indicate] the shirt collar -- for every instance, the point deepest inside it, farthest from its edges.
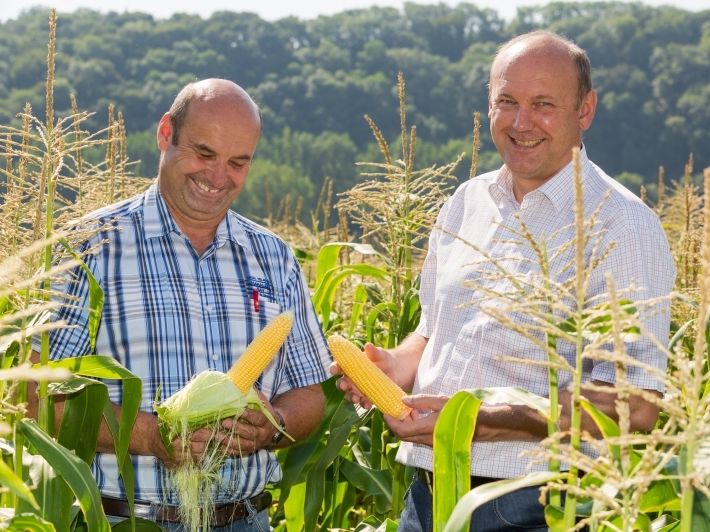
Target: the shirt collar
(158, 221)
(559, 189)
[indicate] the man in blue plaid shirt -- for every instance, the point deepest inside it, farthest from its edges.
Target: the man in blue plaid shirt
(188, 283)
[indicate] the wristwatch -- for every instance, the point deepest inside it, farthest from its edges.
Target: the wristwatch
(276, 438)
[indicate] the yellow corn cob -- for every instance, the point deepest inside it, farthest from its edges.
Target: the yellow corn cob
(369, 379)
(260, 352)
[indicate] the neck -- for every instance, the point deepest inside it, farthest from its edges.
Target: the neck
(520, 188)
(199, 233)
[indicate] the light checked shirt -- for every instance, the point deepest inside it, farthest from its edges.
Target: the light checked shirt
(465, 343)
(170, 314)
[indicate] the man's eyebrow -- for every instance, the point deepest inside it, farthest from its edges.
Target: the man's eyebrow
(203, 147)
(206, 148)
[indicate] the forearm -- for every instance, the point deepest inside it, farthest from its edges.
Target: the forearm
(145, 438)
(302, 410)
(406, 360)
(642, 413)
(509, 422)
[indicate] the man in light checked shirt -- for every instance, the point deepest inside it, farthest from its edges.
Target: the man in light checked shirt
(540, 102)
(188, 283)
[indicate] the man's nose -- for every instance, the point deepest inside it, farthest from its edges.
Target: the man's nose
(523, 119)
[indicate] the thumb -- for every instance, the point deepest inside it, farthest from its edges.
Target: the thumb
(373, 352)
(425, 402)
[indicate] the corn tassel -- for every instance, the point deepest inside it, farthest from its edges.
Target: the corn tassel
(370, 380)
(260, 352)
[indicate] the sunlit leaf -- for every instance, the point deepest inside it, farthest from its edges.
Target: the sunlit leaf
(461, 515)
(73, 470)
(15, 484)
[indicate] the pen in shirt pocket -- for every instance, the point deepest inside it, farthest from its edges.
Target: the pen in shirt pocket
(255, 299)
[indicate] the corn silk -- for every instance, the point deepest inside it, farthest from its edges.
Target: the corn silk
(204, 401)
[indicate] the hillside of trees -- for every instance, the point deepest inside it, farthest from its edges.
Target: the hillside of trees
(315, 79)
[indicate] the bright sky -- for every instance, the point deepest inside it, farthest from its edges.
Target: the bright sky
(275, 9)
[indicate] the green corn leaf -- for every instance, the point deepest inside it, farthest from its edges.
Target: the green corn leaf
(642, 523)
(598, 321)
(370, 481)
(103, 367)
(461, 515)
(96, 296)
(73, 470)
(17, 487)
(608, 427)
(125, 467)
(324, 295)
(329, 253)
(701, 513)
(52, 493)
(453, 433)
(359, 301)
(294, 507)
(81, 419)
(141, 525)
(385, 308)
(661, 496)
(26, 521)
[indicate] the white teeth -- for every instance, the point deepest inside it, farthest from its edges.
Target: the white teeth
(205, 187)
(527, 143)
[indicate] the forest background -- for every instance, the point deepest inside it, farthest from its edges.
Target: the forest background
(316, 79)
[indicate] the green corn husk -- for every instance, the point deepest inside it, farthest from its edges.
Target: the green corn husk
(207, 398)
(204, 401)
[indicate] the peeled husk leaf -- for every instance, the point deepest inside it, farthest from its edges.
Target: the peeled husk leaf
(204, 400)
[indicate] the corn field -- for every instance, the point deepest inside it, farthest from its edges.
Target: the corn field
(360, 253)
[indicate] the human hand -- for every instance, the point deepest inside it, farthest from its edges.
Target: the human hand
(249, 432)
(381, 358)
(198, 443)
(238, 436)
(419, 426)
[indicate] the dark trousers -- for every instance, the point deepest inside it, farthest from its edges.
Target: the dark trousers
(519, 510)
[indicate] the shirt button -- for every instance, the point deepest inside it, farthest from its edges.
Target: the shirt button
(215, 357)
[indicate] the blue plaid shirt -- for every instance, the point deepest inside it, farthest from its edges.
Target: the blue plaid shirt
(170, 314)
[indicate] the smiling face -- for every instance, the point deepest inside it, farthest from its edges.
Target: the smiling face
(204, 172)
(535, 114)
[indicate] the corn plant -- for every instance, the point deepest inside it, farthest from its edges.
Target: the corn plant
(632, 481)
(374, 283)
(46, 182)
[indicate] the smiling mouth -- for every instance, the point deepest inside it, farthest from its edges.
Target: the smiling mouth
(205, 187)
(526, 143)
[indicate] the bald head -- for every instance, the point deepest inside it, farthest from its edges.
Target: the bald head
(546, 45)
(206, 90)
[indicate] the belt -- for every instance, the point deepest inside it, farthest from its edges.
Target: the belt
(223, 513)
(427, 477)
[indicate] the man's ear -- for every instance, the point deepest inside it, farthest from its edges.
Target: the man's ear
(587, 110)
(165, 132)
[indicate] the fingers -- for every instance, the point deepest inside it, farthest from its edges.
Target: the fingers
(352, 394)
(420, 430)
(424, 403)
(375, 354)
(350, 391)
(335, 369)
(235, 437)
